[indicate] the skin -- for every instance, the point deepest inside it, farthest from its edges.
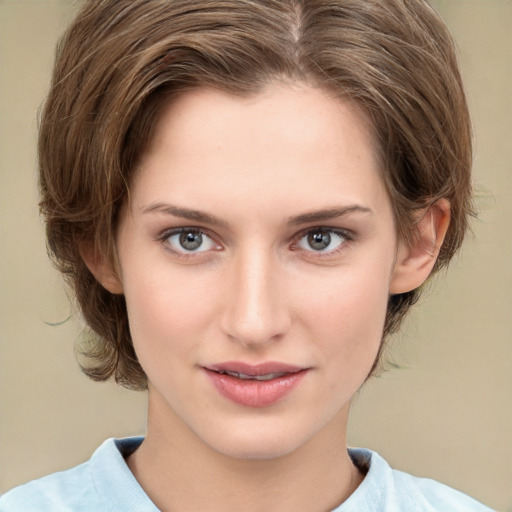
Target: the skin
(255, 290)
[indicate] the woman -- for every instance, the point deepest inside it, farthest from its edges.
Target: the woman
(246, 198)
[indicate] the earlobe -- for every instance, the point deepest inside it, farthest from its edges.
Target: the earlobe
(102, 269)
(415, 261)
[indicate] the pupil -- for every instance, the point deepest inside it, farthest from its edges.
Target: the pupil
(190, 240)
(319, 240)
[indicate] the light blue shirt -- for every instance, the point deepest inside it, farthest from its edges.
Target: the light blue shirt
(106, 484)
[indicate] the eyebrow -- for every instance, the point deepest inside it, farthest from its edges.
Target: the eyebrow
(327, 214)
(207, 218)
(185, 213)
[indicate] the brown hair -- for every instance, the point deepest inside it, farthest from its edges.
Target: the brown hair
(121, 60)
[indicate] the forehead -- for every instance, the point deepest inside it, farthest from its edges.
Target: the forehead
(288, 140)
(292, 113)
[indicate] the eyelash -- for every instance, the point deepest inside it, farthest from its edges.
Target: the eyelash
(346, 237)
(164, 240)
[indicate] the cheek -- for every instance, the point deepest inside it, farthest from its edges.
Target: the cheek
(167, 309)
(347, 311)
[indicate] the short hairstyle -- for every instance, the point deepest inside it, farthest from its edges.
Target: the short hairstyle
(121, 61)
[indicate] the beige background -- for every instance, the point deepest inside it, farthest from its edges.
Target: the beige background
(446, 414)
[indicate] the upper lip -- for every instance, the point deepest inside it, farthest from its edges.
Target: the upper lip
(255, 370)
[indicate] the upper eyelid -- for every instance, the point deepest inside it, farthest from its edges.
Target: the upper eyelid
(184, 255)
(346, 233)
(205, 231)
(166, 233)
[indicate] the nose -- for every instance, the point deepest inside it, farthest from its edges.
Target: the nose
(256, 310)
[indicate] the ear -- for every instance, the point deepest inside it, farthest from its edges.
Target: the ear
(415, 261)
(101, 268)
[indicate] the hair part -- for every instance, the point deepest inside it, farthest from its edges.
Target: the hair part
(120, 62)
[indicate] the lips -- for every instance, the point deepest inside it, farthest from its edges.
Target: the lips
(243, 376)
(255, 385)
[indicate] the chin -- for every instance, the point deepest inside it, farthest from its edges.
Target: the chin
(260, 450)
(264, 443)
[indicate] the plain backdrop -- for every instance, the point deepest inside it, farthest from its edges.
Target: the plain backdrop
(446, 413)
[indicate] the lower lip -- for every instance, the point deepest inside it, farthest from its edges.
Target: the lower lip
(255, 393)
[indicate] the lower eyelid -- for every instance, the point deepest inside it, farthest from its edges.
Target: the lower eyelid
(163, 238)
(345, 236)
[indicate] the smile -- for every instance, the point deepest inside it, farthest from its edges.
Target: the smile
(255, 386)
(268, 376)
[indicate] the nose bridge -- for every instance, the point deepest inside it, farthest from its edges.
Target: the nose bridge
(256, 310)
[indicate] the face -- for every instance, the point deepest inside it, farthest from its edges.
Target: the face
(256, 256)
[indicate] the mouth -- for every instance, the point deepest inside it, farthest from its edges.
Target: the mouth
(243, 376)
(255, 385)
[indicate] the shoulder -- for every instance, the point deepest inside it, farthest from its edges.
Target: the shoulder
(65, 490)
(93, 485)
(389, 490)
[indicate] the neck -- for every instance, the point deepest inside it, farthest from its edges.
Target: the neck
(179, 471)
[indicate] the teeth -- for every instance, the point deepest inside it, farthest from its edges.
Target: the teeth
(243, 376)
(270, 376)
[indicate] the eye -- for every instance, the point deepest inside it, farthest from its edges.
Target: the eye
(322, 240)
(188, 240)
